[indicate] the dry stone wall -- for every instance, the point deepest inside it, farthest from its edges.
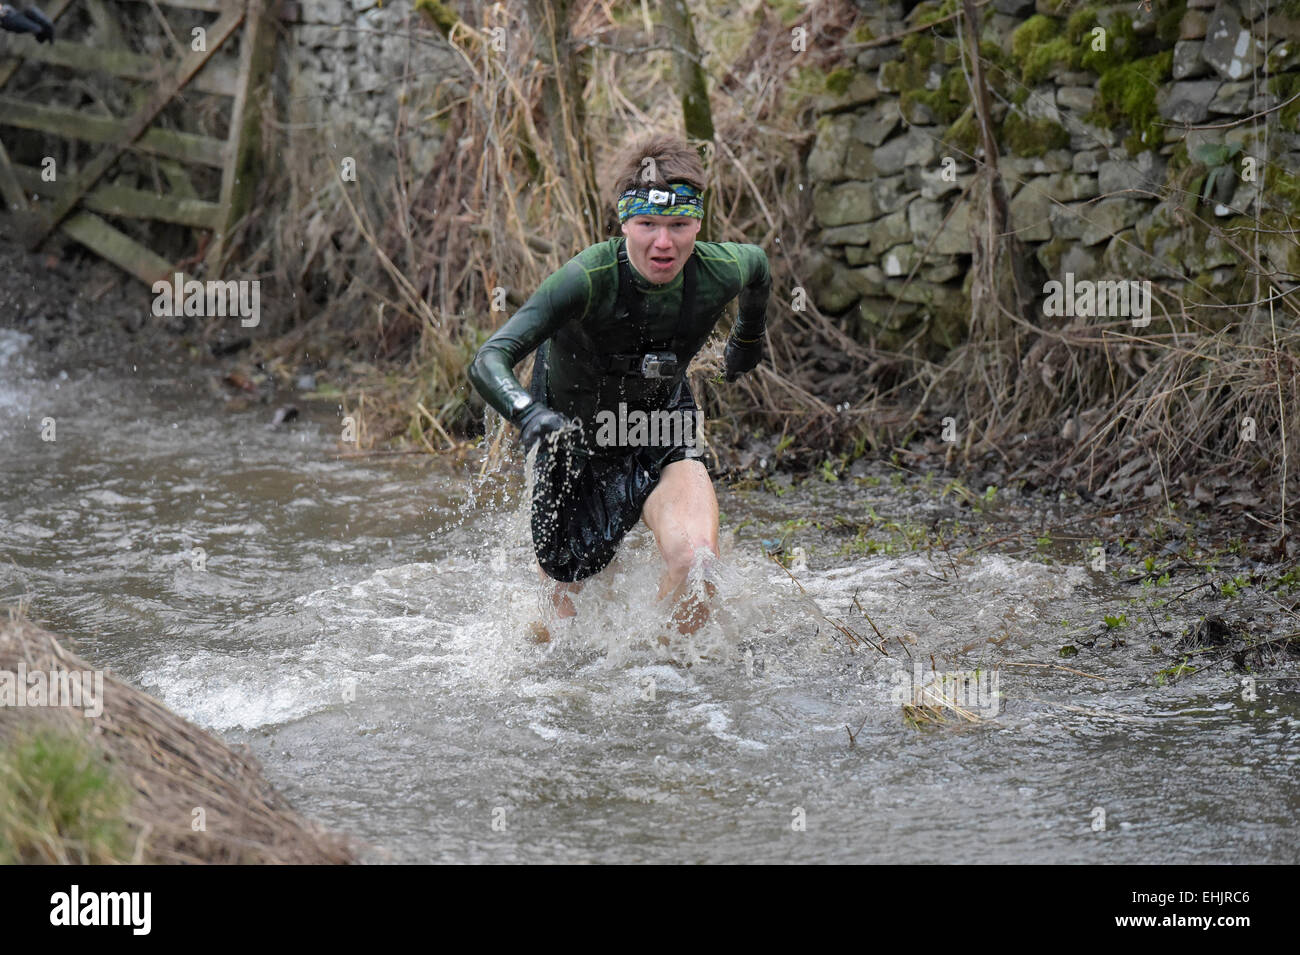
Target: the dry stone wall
(1138, 143)
(353, 68)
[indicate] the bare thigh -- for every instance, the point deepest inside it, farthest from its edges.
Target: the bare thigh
(682, 512)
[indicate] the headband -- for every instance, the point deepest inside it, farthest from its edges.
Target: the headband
(681, 199)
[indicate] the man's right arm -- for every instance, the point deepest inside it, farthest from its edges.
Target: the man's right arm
(564, 296)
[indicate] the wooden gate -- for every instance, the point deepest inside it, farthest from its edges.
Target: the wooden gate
(77, 204)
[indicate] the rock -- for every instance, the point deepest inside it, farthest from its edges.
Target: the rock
(912, 148)
(1088, 160)
(873, 126)
(1188, 62)
(1145, 171)
(1229, 46)
(315, 36)
(306, 382)
(899, 260)
(1067, 186)
(856, 255)
(1031, 211)
(1087, 136)
(837, 292)
(1193, 25)
(1209, 253)
(942, 272)
(1231, 98)
(886, 320)
(1041, 104)
(923, 219)
(1284, 56)
(1079, 98)
(1284, 27)
(1057, 160)
(1085, 263)
(826, 159)
(845, 203)
(1283, 252)
(1187, 102)
(1014, 8)
(934, 186)
(1069, 78)
(955, 237)
(923, 293)
(1244, 198)
(890, 230)
(1049, 255)
(1258, 9)
(873, 57)
(1109, 217)
(916, 113)
(891, 193)
(1125, 258)
(997, 30)
(868, 281)
(324, 11)
(857, 234)
(862, 89)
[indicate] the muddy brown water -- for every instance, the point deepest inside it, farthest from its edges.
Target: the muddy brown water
(361, 624)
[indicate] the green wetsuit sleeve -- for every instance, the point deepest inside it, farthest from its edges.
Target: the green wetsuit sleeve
(564, 296)
(756, 278)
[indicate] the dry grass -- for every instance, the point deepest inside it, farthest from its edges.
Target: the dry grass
(123, 786)
(415, 273)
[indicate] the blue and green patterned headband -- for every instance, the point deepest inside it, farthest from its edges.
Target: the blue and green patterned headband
(683, 200)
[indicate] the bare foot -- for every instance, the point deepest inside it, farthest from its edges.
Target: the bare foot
(539, 632)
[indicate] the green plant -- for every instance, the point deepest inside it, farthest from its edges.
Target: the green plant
(60, 803)
(1173, 673)
(1114, 623)
(1218, 158)
(1235, 586)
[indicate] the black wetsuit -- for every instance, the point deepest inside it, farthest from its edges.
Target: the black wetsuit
(588, 493)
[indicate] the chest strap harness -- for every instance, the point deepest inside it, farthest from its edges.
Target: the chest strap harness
(659, 360)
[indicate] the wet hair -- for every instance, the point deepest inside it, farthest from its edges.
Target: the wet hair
(675, 160)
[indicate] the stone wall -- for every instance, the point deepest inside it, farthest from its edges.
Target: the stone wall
(350, 68)
(1106, 155)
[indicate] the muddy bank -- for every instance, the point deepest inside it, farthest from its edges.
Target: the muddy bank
(93, 770)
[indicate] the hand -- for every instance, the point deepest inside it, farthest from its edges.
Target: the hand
(740, 359)
(45, 31)
(536, 422)
(30, 20)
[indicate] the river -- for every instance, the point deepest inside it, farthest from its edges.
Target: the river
(361, 623)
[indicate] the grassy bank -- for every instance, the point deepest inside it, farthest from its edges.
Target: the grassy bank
(134, 783)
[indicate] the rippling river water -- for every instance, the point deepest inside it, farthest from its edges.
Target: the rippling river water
(362, 624)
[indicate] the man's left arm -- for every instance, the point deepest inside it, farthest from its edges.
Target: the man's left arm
(745, 344)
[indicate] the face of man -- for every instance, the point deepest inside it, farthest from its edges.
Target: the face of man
(658, 246)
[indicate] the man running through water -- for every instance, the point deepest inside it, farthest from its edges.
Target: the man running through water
(615, 329)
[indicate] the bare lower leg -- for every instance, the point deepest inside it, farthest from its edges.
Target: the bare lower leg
(690, 612)
(682, 511)
(560, 594)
